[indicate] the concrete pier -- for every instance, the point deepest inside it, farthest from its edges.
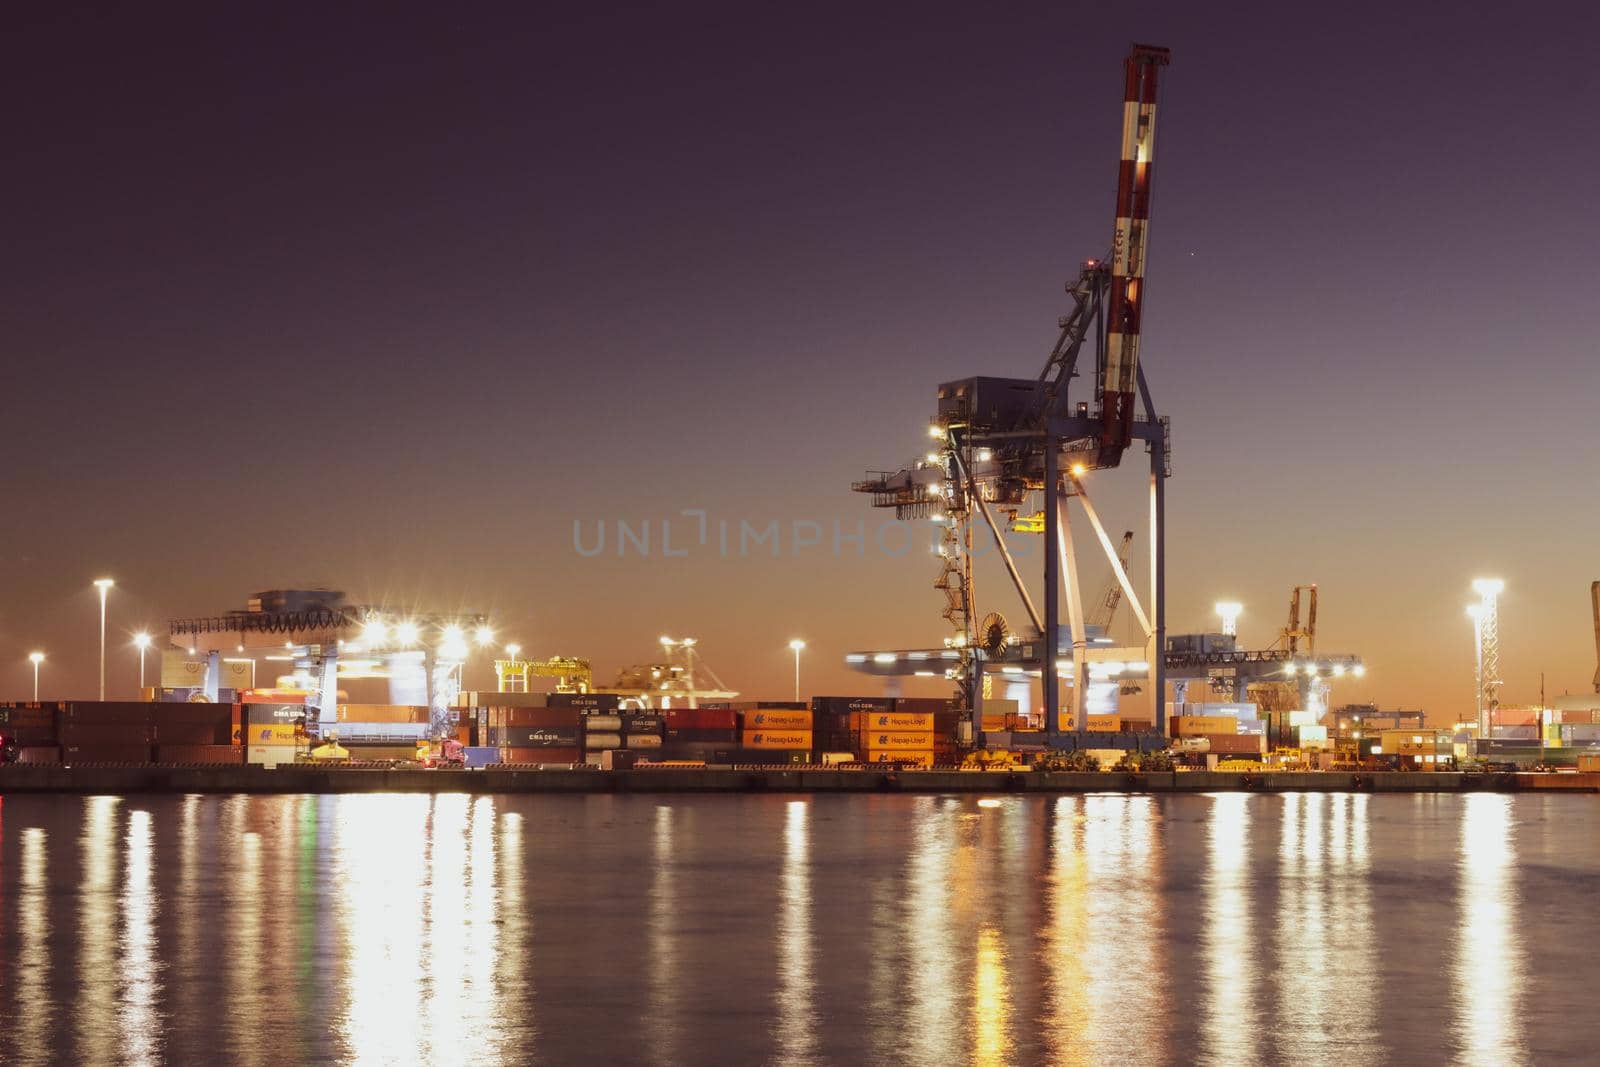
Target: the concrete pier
(312, 779)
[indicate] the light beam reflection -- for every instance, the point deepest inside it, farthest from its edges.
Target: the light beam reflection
(1488, 971)
(1231, 1012)
(797, 1022)
(97, 930)
(141, 1033)
(34, 1021)
(663, 1010)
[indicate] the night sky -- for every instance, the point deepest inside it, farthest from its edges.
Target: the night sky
(386, 300)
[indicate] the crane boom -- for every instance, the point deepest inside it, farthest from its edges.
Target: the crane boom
(1112, 597)
(1119, 377)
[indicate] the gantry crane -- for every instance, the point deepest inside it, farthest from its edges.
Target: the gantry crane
(1001, 440)
(1594, 598)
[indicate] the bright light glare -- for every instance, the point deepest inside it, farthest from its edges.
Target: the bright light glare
(141, 640)
(1488, 586)
(103, 584)
(1359, 670)
(513, 651)
(374, 633)
(935, 431)
(405, 633)
(1079, 470)
(35, 657)
(988, 802)
(797, 644)
(484, 636)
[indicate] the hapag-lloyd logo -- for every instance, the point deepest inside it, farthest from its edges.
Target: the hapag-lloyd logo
(694, 531)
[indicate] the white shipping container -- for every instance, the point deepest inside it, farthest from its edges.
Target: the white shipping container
(269, 755)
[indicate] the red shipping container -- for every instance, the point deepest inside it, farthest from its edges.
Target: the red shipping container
(105, 754)
(223, 754)
(701, 719)
(541, 755)
(194, 733)
(535, 717)
(28, 718)
(126, 733)
(39, 754)
(29, 735)
(1236, 744)
(162, 714)
(108, 713)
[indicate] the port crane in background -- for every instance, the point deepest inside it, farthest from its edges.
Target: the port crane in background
(1001, 443)
(572, 675)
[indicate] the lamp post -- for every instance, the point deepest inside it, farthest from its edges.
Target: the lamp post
(104, 585)
(797, 645)
(141, 641)
(36, 658)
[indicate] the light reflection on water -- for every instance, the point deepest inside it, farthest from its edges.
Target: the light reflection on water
(1488, 965)
(1224, 929)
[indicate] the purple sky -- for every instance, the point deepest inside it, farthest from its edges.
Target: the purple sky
(386, 301)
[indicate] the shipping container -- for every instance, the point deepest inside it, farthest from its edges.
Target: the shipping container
(556, 756)
(768, 757)
(534, 736)
(383, 713)
(96, 733)
(30, 735)
(533, 717)
(642, 722)
(776, 705)
(777, 719)
(1589, 764)
(254, 714)
(105, 753)
(39, 754)
(1236, 744)
(775, 739)
(595, 742)
(192, 714)
(480, 755)
(32, 718)
(907, 759)
(642, 740)
(701, 719)
(1109, 724)
(486, 699)
(896, 741)
(277, 733)
(215, 754)
(1196, 725)
(194, 733)
(107, 712)
(603, 723)
(902, 722)
(602, 702)
(706, 751)
(270, 755)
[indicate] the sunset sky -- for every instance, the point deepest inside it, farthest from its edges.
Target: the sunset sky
(388, 300)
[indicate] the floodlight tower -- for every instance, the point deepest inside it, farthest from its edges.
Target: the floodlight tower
(1229, 611)
(1489, 681)
(1475, 613)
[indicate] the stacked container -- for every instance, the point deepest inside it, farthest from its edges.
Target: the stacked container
(775, 733)
(198, 733)
(271, 733)
(32, 728)
(903, 737)
(106, 732)
(709, 735)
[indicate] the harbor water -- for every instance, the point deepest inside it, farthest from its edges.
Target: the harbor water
(766, 929)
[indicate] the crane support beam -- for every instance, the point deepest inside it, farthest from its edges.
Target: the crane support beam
(1111, 555)
(1005, 553)
(1594, 597)
(1080, 639)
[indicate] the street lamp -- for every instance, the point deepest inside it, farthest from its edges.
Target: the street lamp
(36, 658)
(796, 645)
(141, 641)
(104, 585)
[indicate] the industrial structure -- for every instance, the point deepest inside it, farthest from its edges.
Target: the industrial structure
(1022, 448)
(320, 638)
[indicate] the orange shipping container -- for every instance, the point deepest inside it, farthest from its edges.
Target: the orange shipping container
(777, 719)
(1195, 725)
(384, 713)
(269, 733)
(895, 742)
(791, 739)
(902, 722)
(914, 759)
(1106, 723)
